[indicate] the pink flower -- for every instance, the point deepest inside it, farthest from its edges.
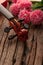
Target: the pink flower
(36, 17)
(15, 8)
(24, 14)
(19, 1)
(26, 5)
(14, 1)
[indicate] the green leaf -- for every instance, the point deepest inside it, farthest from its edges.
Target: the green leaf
(42, 1)
(38, 5)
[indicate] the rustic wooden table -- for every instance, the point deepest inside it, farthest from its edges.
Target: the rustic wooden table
(12, 53)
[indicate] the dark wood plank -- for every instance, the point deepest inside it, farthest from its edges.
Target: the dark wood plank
(29, 46)
(34, 49)
(10, 50)
(3, 36)
(39, 54)
(19, 53)
(6, 50)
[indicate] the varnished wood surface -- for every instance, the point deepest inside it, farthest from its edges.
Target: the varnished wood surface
(11, 50)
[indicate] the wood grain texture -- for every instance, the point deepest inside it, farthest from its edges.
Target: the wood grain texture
(13, 53)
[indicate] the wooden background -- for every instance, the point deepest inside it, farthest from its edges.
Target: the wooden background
(12, 53)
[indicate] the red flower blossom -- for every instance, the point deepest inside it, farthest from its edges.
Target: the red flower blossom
(24, 14)
(15, 8)
(36, 17)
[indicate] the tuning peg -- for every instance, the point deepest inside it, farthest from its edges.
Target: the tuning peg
(7, 29)
(26, 26)
(11, 37)
(20, 20)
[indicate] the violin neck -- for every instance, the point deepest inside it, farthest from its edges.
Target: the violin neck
(6, 13)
